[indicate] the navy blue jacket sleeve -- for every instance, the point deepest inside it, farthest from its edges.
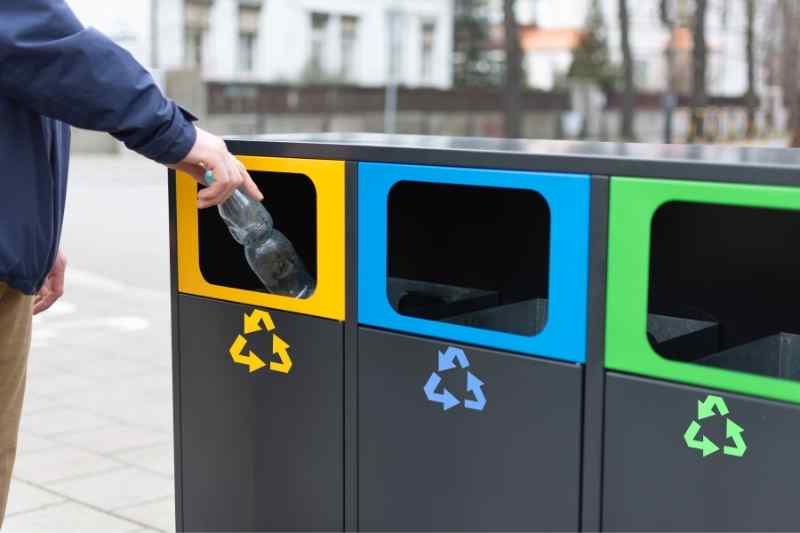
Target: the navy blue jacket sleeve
(53, 65)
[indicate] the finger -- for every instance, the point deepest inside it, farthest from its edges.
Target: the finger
(57, 282)
(249, 185)
(235, 168)
(44, 301)
(45, 304)
(211, 196)
(214, 193)
(234, 179)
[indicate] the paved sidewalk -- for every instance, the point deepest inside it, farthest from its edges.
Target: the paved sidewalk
(96, 441)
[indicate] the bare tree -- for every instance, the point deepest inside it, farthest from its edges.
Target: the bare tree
(751, 98)
(512, 95)
(670, 100)
(626, 125)
(789, 57)
(699, 58)
(472, 66)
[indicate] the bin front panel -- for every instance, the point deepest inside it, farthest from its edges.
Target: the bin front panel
(567, 195)
(512, 466)
(633, 204)
(260, 451)
(653, 481)
(328, 178)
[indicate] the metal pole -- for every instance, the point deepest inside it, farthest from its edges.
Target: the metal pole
(670, 100)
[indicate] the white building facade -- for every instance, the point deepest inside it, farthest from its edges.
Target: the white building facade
(359, 42)
(347, 41)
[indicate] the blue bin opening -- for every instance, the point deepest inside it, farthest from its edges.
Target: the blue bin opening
(476, 256)
(485, 257)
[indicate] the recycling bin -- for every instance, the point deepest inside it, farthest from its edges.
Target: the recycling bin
(258, 380)
(497, 340)
(702, 392)
(472, 313)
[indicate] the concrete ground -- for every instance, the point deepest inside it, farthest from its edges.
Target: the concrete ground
(96, 440)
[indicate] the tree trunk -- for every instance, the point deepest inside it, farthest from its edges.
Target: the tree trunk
(626, 129)
(751, 68)
(512, 97)
(789, 57)
(699, 57)
(670, 100)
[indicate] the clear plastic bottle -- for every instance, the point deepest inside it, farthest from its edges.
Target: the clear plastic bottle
(269, 253)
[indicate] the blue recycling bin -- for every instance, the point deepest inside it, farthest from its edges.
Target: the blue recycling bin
(472, 312)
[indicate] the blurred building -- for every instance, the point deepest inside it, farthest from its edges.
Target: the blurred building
(359, 42)
(128, 24)
(547, 53)
(550, 32)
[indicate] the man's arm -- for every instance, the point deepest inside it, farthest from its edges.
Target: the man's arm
(53, 65)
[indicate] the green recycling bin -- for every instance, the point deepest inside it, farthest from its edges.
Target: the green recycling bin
(702, 417)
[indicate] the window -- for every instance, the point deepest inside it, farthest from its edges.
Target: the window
(248, 37)
(428, 40)
(195, 25)
(319, 37)
(349, 41)
(247, 45)
(193, 51)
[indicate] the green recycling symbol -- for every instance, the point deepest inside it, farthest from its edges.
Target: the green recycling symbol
(733, 431)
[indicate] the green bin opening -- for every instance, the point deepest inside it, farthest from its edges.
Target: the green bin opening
(724, 287)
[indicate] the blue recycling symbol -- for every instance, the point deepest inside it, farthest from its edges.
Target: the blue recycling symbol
(447, 361)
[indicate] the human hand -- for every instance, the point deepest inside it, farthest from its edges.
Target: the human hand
(210, 153)
(53, 287)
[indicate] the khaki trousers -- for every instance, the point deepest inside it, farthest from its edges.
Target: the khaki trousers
(15, 341)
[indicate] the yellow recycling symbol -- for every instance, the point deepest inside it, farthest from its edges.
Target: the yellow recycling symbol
(258, 321)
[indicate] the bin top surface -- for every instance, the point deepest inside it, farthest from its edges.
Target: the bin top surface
(779, 166)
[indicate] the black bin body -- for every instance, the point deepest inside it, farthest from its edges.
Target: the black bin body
(514, 466)
(261, 451)
(654, 482)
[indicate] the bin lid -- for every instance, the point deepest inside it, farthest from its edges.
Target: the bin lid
(775, 166)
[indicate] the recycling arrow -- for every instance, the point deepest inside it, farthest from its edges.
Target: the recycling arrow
(448, 358)
(705, 409)
(256, 321)
(733, 431)
(252, 360)
(445, 398)
(705, 444)
(281, 348)
(253, 321)
(474, 385)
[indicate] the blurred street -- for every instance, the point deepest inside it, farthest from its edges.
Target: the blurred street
(96, 441)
